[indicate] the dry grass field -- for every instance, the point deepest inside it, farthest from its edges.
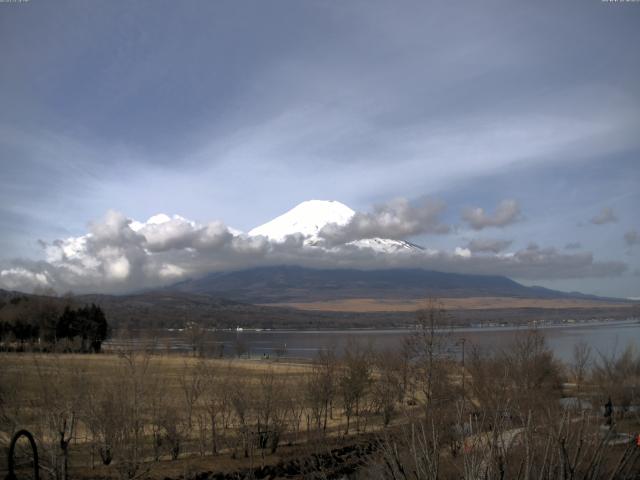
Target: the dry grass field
(135, 415)
(28, 367)
(38, 387)
(364, 305)
(91, 402)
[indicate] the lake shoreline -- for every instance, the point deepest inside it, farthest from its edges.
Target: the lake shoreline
(602, 336)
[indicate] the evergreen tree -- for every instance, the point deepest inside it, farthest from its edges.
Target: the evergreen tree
(87, 323)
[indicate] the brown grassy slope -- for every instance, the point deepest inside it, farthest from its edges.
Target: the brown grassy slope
(470, 303)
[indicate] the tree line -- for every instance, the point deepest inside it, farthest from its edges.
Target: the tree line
(47, 324)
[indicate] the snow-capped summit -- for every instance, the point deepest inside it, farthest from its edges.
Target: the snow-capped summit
(306, 218)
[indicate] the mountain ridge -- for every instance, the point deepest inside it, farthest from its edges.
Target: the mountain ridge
(292, 283)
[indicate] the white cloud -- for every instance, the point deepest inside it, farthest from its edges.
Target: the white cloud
(118, 269)
(507, 212)
(170, 271)
(163, 233)
(119, 255)
(16, 278)
(397, 219)
(462, 252)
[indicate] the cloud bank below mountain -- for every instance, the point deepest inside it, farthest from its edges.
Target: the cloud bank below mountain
(119, 254)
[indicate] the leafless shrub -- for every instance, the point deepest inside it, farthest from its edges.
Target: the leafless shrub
(413, 454)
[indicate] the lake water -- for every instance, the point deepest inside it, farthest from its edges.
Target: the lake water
(604, 337)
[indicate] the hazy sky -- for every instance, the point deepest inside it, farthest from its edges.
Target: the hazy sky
(519, 121)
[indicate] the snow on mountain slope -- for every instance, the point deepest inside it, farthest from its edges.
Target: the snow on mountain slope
(306, 218)
(385, 245)
(309, 217)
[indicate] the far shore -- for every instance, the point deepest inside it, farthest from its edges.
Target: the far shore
(371, 305)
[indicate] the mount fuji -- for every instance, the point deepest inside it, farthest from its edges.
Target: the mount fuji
(310, 217)
(290, 284)
(306, 218)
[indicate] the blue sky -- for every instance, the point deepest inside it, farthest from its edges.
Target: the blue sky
(237, 111)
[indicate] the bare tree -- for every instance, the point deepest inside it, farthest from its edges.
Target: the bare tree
(619, 379)
(157, 405)
(271, 410)
(172, 430)
(133, 390)
(241, 403)
(192, 384)
(296, 405)
(580, 366)
(414, 453)
(195, 335)
(321, 386)
(62, 396)
(534, 372)
(581, 362)
(387, 385)
(217, 400)
(430, 349)
(12, 410)
(355, 379)
(104, 418)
